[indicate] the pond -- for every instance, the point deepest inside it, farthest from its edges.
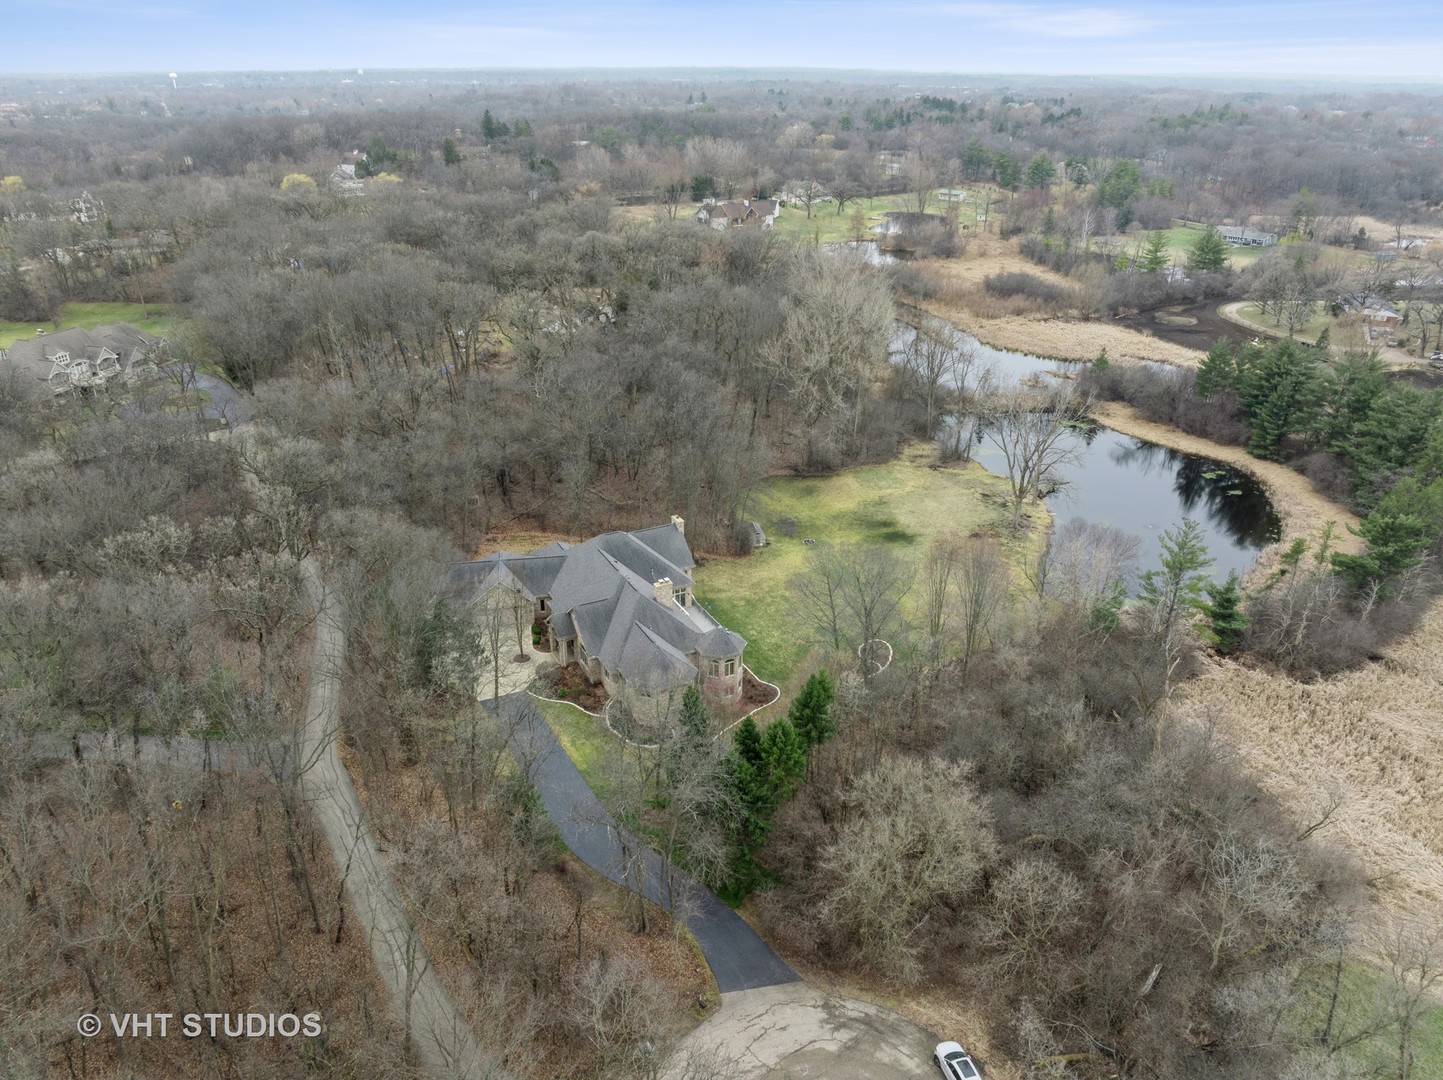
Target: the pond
(1137, 486)
(869, 250)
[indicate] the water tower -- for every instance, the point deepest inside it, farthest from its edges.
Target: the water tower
(173, 77)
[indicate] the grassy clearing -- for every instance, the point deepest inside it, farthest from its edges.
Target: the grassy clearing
(1309, 332)
(826, 226)
(1181, 238)
(1362, 990)
(151, 318)
(594, 751)
(902, 504)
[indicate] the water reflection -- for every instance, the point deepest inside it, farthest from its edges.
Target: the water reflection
(1139, 487)
(1211, 490)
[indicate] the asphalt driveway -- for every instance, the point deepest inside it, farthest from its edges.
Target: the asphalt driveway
(738, 958)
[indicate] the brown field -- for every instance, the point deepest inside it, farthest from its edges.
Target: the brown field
(1372, 736)
(1043, 335)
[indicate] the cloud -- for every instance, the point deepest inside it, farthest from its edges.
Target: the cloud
(1078, 22)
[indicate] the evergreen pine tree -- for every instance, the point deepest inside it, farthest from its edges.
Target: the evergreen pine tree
(1279, 396)
(450, 155)
(1209, 252)
(1224, 612)
(1040, 171)
(810, 713)
(1218, 371)
(975, 158)
(747, 741)
(1397, 541)
(693, 717)
(1154, 256)
(1102, 363)
(751, 821)
(784, 758)
(1177, 586)
(488, 125)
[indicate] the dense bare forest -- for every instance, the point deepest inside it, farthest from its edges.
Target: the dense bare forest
(443, 314)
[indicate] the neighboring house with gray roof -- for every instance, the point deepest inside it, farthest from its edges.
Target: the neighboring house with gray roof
(1245, 236)
(621, 606)
(80, 359)
(738, 213)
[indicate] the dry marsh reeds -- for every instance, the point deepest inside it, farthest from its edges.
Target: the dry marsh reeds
(1373, 737)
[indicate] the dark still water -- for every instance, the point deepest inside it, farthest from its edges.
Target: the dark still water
(1143, 489)
(1136, 486)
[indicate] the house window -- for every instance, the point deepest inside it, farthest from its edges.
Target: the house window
(714, 668)
(731, 665)
(680, 596)
(545, 605)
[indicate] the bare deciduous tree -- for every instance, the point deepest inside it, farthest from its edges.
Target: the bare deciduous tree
(917, 837)
(1032, 433)
(1086, 563)
(983, 583)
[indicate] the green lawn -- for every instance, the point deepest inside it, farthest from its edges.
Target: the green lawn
(826, 226)
(1181, 238)
(1320, 321)
(596, 752)
(1361, 992)
(902, 504)
(152, 318)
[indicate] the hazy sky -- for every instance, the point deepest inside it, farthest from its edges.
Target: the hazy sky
(1389, 38)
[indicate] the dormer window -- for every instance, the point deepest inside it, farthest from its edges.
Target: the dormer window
(681, 596)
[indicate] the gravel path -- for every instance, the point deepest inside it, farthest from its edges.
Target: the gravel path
(440, 1033)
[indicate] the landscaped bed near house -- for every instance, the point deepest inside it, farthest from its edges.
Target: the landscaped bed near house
(570, 683)
(903, 504)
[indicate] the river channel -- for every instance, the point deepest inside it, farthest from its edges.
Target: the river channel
(1133, 485)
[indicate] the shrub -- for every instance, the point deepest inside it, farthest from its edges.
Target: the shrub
(1021, 283)
(913, 281)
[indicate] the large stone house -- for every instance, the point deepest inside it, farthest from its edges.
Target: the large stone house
(621, 606)
(77, 359)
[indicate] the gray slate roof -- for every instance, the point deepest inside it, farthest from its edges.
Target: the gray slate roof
(602, 591)
(32, 356)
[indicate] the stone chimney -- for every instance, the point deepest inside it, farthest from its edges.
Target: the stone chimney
(662, 590)
(679, 523)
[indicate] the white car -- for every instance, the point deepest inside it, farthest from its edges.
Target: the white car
(956, 1063)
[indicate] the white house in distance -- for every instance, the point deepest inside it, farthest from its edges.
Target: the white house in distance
(737, 213)
(1243, 236)
(621, 606)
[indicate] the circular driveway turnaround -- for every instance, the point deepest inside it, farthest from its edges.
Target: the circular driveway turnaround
(796, 1031)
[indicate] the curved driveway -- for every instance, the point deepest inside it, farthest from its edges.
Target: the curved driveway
(738, 958)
